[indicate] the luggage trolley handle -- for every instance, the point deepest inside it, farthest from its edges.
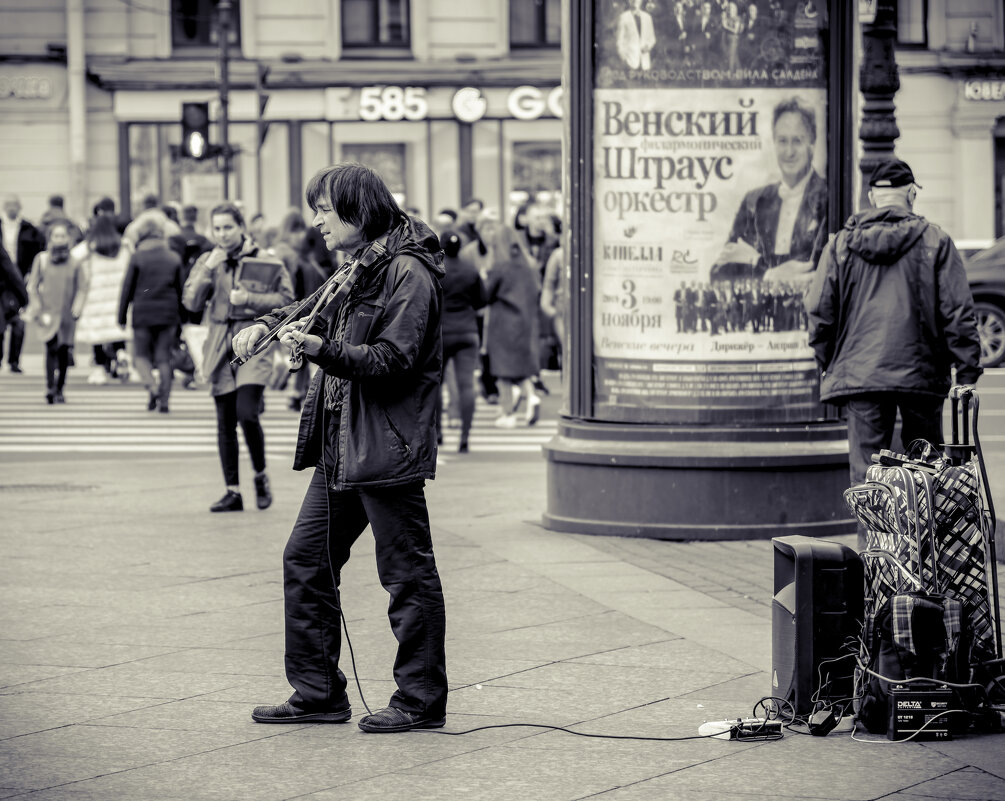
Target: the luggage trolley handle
(958, 453)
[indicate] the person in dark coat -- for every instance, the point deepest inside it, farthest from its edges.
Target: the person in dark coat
(13, 295)
(513, 284)
(368, 430)
(891, 313)
(153, 285)
(23, 242)
(463, 294)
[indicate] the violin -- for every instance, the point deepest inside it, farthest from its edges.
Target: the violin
(326, 299)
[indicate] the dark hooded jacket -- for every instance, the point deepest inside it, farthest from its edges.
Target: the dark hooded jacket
(392, 356)
(890, 309)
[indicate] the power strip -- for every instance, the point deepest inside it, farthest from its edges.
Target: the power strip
(741, 729)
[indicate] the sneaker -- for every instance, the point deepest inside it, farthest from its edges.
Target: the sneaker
(230, 502)
(98, 377)
(533, 409)
(392, 719)
(287, 713)
(506, 421)
(263, 495)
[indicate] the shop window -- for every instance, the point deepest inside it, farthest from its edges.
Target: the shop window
(537, 175)
(195, 24)
(912, 23)
(387, 160)
(375, 23)
(535, 23)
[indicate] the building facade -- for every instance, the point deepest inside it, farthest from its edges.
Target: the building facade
(448, 102)
(951, 112)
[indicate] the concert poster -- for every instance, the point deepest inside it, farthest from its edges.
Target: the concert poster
(710, 214)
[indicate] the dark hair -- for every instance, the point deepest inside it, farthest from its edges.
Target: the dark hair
(170, 212)
(795, 105)
(292, 223)
(358, 196)
(103, 236)
(151, 201)
(228, 208)
(451, 243)
(56, 200)
(190, 213)
(257, 216)
(447, 213)
(104, 206)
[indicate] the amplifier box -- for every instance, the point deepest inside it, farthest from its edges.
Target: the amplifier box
(912, 707)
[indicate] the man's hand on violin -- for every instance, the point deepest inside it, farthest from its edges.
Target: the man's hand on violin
(292, 337)
(244, 341)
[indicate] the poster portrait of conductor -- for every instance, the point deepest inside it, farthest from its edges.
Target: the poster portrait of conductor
(709, 43)
(710, 214)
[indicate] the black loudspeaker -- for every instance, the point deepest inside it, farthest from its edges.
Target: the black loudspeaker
(816, 616)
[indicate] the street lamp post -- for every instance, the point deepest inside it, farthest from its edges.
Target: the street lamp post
(223, 9)
(879, 82)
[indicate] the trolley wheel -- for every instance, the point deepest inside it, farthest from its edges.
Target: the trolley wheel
(996, 692)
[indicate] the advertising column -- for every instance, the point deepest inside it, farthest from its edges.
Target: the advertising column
(711, 194)
(709, 154)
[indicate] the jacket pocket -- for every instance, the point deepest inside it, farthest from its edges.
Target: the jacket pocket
(397, 435)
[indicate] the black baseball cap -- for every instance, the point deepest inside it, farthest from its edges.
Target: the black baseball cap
(892, 174)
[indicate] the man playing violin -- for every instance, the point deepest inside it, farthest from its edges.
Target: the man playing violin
(368, 430)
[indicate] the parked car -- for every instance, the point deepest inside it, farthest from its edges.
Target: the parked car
(986, 273)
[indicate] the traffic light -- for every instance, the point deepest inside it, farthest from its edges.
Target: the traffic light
(194, 129)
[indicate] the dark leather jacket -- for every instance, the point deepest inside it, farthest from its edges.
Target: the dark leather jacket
(890, 309)
(392, 354)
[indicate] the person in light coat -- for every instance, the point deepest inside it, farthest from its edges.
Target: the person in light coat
(237, 390)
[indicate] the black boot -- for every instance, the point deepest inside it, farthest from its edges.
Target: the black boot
(263, 495)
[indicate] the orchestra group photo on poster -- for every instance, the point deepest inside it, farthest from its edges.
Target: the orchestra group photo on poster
(722, 42)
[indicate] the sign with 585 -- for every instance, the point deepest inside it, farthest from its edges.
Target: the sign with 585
(393, 103)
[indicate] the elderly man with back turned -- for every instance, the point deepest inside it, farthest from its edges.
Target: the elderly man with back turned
(890, 314)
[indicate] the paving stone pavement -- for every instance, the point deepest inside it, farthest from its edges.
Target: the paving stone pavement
(137, 631)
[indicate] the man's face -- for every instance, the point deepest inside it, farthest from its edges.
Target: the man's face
(470, 212)
(59, 236)
(442, 222)
(635, 4)
(338, 235)
(793, 147)
(12, 207)
(538, 221)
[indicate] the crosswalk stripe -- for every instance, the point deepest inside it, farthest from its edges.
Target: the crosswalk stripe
(113, 419)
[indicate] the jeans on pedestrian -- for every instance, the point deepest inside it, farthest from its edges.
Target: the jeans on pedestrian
(57, 362)
(871, 421)
(241, 406)
(16, 327)
(328, 525)
(462, 352)
(152, 345)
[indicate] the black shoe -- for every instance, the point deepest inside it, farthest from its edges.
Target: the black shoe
(59, 397)
(295, 404)
(263, 495)
(230, 502)
(392, 719)
(164, 409)
(462, 448)
(152, 402)
(16, 368)
(50, 397)
(539, 385)
(287, 713)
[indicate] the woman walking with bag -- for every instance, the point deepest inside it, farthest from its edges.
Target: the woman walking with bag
(237, 391)
(56, 292)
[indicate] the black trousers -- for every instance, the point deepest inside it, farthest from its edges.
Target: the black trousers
(16, 327)
(240, 406)
(328, 525)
